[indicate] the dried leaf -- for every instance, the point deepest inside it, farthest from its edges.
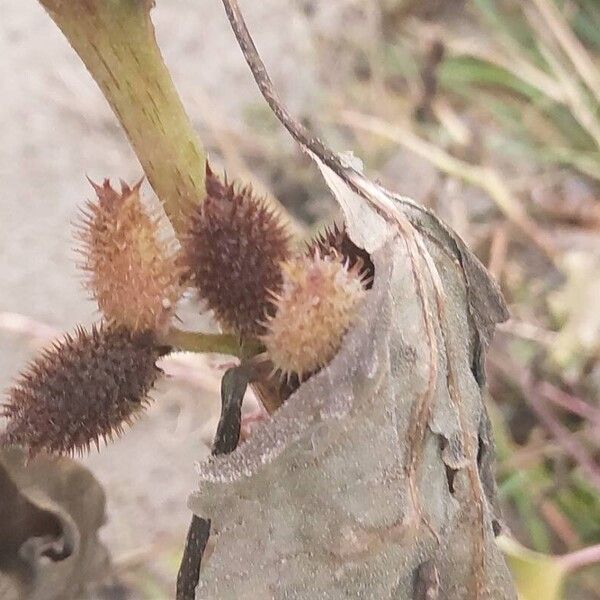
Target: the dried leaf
(379, 463)
(50, 513)
(373, 479)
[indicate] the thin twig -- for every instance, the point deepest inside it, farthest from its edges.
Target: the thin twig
(581, 558)
(563, 436)
(306, 140)
(24, 325)
(498, 251)
(189, 568)
(514, 64)
(569, 402)
(233, 387)
(559, 524)
(528, 331)
(575, 98)
(267, 89)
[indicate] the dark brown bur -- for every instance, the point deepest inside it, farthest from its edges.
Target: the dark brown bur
(83, 389)
(335, 241)
(233, 250)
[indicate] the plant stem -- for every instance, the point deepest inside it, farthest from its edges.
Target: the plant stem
(233, 387)
(571, 403)
(563, 436)
(221, 343)
(116, 41)
(581, 558)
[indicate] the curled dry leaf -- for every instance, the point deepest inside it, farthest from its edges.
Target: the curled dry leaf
(373, 480)
(50, 513)
(381, 462)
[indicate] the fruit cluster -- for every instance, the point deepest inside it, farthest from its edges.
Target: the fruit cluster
(238, 255)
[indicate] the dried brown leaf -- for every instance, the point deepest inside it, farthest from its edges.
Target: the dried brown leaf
(50, 513)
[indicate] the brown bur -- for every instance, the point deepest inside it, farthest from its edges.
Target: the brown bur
(233, 251)
(83, 389)
(320, 297)
(132, 273)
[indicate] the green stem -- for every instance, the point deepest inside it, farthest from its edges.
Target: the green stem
(116, 41)
(221, 343)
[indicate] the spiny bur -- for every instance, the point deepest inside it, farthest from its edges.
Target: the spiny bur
(318, 303)
(335, 241)
(233, 250)
(131, 272)
(82, 389)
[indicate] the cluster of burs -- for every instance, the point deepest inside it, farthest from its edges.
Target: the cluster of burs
(294, 301)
